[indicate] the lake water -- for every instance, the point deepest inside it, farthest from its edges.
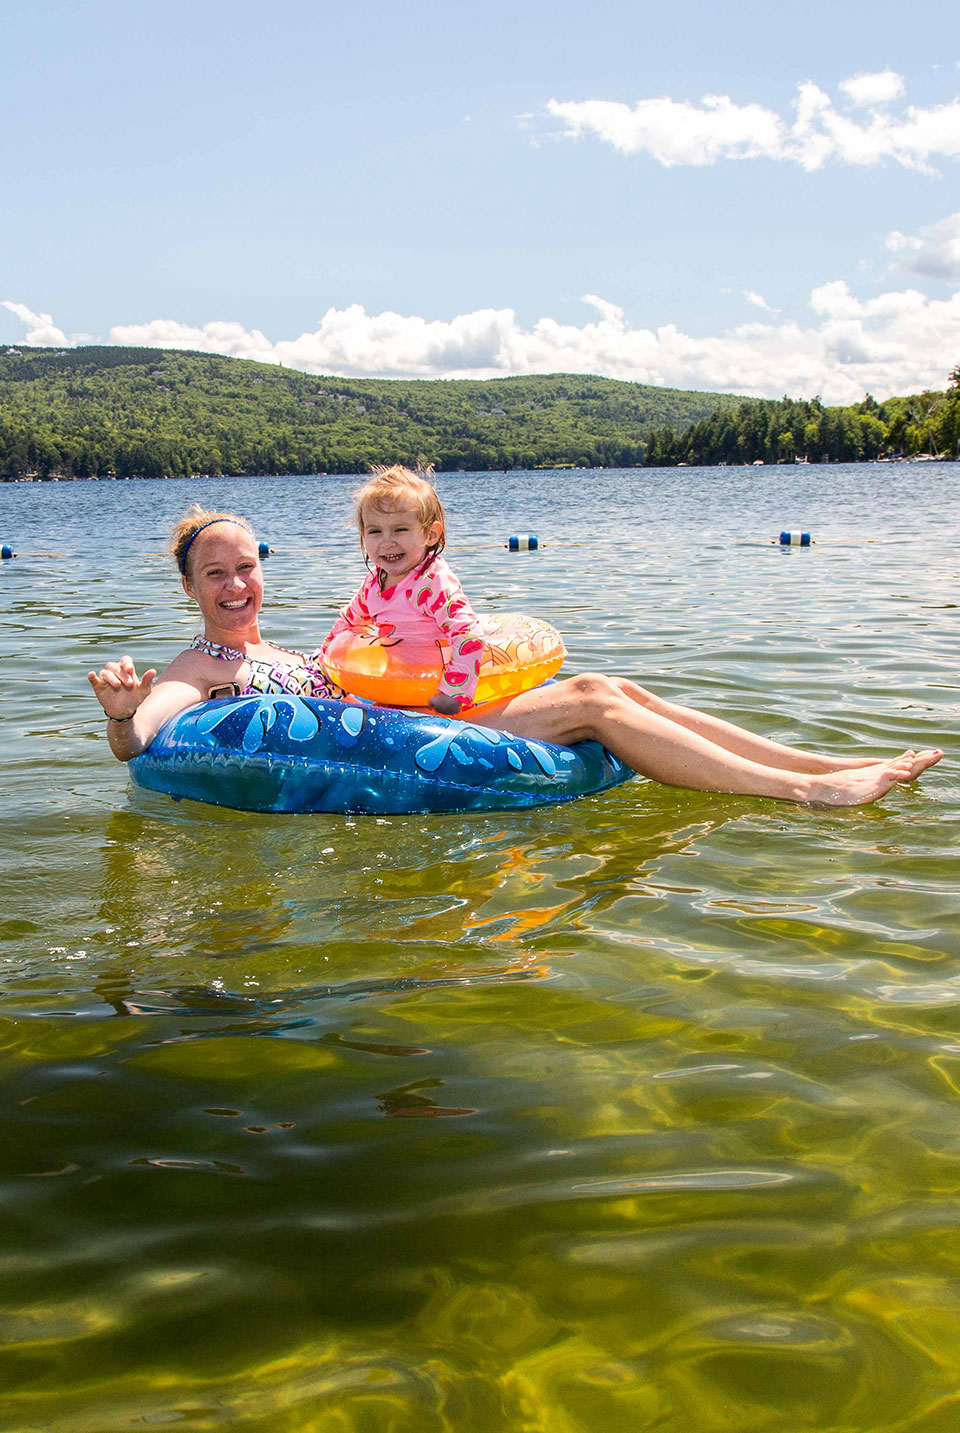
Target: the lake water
(637, 1113)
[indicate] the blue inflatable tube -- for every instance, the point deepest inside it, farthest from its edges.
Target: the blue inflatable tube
(302, 754)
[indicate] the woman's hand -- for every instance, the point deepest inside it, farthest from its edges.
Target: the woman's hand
(445, 704)
(138, 707)
(119, 690)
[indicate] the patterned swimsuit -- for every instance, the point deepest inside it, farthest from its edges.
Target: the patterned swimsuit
(300, 677)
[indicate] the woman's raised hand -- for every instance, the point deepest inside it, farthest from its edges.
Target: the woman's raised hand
(118, 688)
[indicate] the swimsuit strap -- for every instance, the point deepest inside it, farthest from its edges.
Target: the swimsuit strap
(216, 649)
(231, 654)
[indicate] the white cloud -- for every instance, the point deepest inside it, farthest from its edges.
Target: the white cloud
(833, 300)
(878, 88)
(934, 252)
(215, 337)
(41, 332)
(895, 240)
(896, 342)
(612, 313)
(758, 301)
(676, 132)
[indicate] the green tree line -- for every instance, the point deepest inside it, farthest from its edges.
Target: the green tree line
(127, 412)
(791, 430)
(124, 412)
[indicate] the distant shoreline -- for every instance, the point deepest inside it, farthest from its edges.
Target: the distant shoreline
(134, 414)
(454, 472)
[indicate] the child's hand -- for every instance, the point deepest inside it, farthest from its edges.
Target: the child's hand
(445, 704)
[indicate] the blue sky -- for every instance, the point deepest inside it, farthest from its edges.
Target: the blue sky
(750, 197)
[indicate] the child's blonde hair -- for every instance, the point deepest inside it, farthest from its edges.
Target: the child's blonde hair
(190, 525)
(398, 487)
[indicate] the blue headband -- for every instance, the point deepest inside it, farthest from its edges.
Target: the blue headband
(194, 535)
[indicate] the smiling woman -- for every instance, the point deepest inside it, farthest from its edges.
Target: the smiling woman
(219, 563)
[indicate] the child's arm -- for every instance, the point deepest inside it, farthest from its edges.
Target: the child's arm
(355, 614)
(440, 596)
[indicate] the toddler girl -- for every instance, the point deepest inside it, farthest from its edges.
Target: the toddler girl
(411, 594)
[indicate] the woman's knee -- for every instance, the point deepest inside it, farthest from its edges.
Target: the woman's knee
(596, 686)
(594, 690)
(638, 694)
(591, 686)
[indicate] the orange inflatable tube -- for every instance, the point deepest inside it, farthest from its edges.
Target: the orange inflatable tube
(520, 653)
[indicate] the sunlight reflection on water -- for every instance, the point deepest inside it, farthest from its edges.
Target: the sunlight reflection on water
(636, 1112)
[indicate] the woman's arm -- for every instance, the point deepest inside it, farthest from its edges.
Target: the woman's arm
(135, 708)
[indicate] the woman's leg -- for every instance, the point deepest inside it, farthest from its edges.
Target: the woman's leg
(598, 708)
(737, 739)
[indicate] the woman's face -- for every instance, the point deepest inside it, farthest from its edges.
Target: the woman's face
(224, 576)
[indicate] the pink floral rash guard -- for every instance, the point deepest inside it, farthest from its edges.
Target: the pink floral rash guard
(425, 611)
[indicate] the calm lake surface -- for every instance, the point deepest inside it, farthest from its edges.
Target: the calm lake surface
(637, 1113)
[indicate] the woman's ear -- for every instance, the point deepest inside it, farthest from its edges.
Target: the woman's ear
(188, 589)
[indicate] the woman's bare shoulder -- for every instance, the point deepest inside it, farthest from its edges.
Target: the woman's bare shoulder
(198, 668)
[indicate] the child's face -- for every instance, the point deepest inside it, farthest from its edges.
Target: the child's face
(395, 540)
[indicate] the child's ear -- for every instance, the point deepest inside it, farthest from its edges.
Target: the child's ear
(434, 533)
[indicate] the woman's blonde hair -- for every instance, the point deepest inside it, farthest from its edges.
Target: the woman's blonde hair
(193, 521)
(400, 487)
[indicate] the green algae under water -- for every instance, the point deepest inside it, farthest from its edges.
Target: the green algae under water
(636, 1113)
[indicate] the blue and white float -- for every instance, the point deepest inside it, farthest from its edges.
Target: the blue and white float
(291, 753)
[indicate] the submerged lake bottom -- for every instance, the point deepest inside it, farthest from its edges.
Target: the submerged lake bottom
(639, 1112)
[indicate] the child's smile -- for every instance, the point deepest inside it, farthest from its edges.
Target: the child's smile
(396, 541)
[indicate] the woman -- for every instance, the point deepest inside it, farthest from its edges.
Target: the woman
(219, 565)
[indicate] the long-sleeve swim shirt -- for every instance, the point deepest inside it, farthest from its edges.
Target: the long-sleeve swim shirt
(424, 612)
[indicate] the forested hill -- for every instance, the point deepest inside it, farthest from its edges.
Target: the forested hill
(140, 412)
(129, 412)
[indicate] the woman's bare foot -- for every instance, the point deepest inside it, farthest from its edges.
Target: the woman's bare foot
(860, 785)
(920, 760)
(855, 763)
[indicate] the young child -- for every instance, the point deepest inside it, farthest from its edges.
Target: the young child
(411, 594)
